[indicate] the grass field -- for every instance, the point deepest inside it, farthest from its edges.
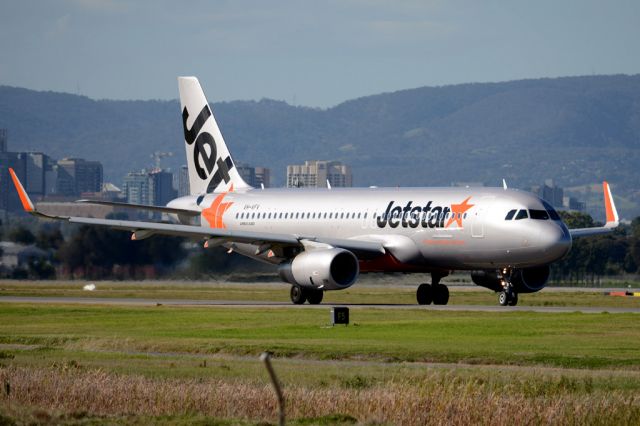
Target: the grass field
(366, 294)
(91, 364)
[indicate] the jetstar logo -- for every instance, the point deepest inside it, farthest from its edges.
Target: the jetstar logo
(205, 161)
(424, 216)
(214, 213)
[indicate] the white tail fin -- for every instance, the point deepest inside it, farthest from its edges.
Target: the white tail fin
(211, 168)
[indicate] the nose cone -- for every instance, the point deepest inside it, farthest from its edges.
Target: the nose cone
(555, 241)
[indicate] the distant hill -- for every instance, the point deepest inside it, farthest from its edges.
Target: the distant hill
(576, 130)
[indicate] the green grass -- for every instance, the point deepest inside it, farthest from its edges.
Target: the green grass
(95, 364)
(519, 338)
(367, 294)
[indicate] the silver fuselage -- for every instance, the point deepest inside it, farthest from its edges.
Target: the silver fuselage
(444, 228)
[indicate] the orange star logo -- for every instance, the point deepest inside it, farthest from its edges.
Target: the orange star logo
(213, 214)
(457, 210)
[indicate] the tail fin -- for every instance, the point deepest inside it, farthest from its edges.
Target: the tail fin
(211, 168)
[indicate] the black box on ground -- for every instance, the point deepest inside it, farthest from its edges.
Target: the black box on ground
(339, 315)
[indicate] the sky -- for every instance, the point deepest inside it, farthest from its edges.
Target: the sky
(312, 53)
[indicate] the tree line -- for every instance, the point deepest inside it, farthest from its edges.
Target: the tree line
(101, 253)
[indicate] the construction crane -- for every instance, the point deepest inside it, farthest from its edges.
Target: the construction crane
(158, 156)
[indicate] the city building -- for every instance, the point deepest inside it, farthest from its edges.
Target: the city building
(316, 173)
(149, 187)
(263, 177)
(182, 181)
(572, 203)
(550, 192)
(3, 140)
(254, 176)
(247, 173)
(136, 188)
(161, 187)
(9, 200)
(76, 175)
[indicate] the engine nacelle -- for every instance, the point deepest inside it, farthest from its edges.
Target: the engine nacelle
(329, 269)
(530, 280)
(527, 280)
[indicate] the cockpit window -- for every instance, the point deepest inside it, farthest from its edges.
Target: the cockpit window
(539, 214)
(553, 214)
(510, 214)
(522, 214)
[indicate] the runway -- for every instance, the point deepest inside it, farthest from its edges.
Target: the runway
(237, 304)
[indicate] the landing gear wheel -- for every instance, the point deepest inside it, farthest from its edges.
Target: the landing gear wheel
(440, 294)
(298, 295)
(503, 298)
(424, 294)
(315, 296)
(513, 301)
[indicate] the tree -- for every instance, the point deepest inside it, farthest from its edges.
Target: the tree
(21, 235)
(98, 249)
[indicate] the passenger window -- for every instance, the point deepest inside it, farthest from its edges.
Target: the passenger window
(510, 214)
(522, 214)
(341, 215)
(539, 214)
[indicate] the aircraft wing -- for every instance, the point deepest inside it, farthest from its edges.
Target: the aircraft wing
(612, 217)
(141, 229)
(160, 209)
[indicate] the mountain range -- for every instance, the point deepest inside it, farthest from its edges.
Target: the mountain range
(575, 130)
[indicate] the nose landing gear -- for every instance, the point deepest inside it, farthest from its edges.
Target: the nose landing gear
(508, 296)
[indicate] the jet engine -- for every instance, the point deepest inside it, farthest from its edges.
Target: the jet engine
(527, 280)
(328, 269)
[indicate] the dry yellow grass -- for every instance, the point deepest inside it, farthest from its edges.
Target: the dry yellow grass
(430, 400)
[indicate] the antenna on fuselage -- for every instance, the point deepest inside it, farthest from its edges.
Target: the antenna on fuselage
(328, 184)
(504, 184)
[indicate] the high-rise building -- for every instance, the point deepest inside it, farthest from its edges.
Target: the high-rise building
(9, 200)
(161, 187)
(136, 188)
(316, 173)
(37, 164)
(263, 177)
(550, 192)
(77, 175)
(247, 173)
(153, 188)
(183, 181)
(3, 140)
(254, 176)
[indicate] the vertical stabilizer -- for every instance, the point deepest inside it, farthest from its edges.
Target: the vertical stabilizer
(211, 168)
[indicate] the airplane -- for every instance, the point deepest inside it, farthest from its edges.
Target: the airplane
(322, 239)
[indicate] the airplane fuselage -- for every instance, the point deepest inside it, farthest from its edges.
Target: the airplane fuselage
(444, 228)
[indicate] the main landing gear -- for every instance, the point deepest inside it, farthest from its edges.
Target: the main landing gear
(508, 295)
(435, 293)
(300, 294)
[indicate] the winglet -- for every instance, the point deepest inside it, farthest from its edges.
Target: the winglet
(610, 207)
(27, 205)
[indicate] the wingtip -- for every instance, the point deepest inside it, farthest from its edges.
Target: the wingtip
(610, 206)
(27, 205)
